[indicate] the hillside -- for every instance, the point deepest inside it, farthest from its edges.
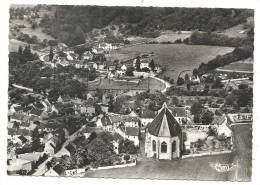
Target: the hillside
(71, 24)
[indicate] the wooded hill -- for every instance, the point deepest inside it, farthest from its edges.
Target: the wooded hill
(70, 23)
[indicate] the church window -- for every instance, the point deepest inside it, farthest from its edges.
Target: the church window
(164, 147)
(154, 145)
(174, 146)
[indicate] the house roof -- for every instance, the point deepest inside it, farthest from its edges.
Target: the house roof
(146, 113)
(123, 118)
(59, 169)
(18, 108)
(23, 132)
(36, 111)
(17, 116)
(178, 111)
(130, 131)
(164, 124)
(71, 148)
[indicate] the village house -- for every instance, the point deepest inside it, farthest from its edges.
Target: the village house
(55, 171)
(105, 123)
(146, 116)
(163, 136)
(15, 165)
(180, 113)
(130, 133)
(123, 67)
(15, 108)
(87, 55)
(144, 64)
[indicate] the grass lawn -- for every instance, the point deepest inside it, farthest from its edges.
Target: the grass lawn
(175, 57)
(192, 169)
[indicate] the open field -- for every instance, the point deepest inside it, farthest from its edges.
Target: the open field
(170, 36)
(238, 30)
(193, 168)
(122, 85)
(237, 67)
(175, 57)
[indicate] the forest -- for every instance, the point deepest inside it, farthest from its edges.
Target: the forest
(70, 23)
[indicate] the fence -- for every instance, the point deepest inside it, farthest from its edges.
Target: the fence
(205, 154)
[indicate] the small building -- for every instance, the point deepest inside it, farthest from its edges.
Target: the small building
(87, 55)
(163, 136)
(130, 133)
(124, 67)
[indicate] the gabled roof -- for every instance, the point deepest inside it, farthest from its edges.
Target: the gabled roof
(130, 131)
(59, 169)
(164, 124)
(71, 148)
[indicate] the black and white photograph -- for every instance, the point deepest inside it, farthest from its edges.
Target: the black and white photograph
(130, 92)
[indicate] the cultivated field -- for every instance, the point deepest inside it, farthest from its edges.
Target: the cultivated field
(175, 57)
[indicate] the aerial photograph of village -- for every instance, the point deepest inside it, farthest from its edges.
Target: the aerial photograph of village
(130, 92)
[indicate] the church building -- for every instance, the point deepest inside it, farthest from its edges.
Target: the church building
(163, 136)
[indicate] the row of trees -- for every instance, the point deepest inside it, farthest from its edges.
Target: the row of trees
(239, 53)
(199, 38)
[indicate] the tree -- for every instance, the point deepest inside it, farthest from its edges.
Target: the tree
(129, 71)
(196, 108)
(127, 146)
(52, 43)
(36, 143)
(187, 78)
(137, 64)
(180, 81)
(98, 109)
(34, 25)
(175, 101)
(76, 37)
(51, 54)
(111, 104)
(80, 51)
(207, 117)
(20, 50)
(152, 65)
(195, 72)
(217, 84)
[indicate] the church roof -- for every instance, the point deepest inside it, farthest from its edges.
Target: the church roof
(164, 124)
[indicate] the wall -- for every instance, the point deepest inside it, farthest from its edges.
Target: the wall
(115, 166)
(159, 155)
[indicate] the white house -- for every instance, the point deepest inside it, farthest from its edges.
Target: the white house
(144, 64)
(123, 67)
(130, 133)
